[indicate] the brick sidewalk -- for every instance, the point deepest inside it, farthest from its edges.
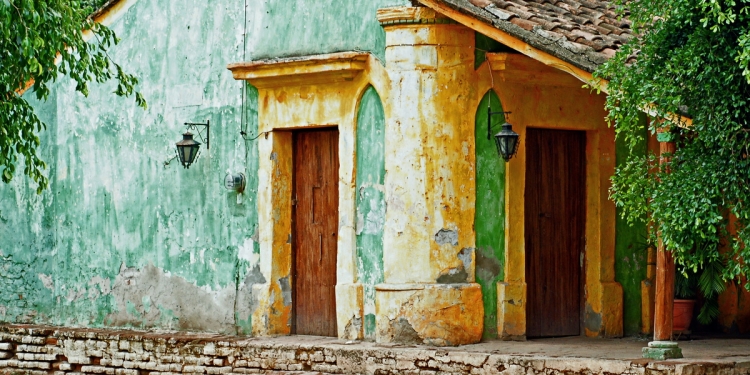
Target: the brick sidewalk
(38, 350)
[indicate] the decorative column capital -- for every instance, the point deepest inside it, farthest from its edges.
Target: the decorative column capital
(411, 15)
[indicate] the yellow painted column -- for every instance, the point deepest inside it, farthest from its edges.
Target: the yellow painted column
(511, 293)
(273, 313)
(429, 295)
(603, 307)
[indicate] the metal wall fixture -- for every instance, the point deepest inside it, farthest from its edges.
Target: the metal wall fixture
(188, 148)
(235, 182)
(506, 140)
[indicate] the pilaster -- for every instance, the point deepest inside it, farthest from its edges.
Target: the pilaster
(428, 237)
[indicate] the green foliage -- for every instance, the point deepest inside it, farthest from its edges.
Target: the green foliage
(39, 41)
(692, 57)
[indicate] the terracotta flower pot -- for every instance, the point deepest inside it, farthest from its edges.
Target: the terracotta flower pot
(682, 314)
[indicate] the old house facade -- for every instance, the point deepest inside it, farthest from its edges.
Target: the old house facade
(375, 206)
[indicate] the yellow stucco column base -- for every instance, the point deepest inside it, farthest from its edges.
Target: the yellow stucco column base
(350, 311)
(603, 316)
(431, 314)
(272, 310)
(511, 311)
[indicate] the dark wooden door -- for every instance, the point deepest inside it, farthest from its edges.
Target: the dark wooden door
(315, 222)
(555, 215)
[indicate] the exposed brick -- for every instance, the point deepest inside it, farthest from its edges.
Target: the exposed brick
(122, 371)
(111, 362)
(94, 353)
(33, 364)
(219, 370)
(31, 349)
(247, 370)
(9, 363)
(65, 366)
(94, 369)
(5, 355)
(147, 365)
(33, 340)
(124, 345)
(194, 369)
(82, 360)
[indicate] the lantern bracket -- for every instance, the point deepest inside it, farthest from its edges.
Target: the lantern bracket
(489, 119)
(195, 125)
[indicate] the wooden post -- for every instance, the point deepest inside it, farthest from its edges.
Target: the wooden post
(662, 347)
(664, 273)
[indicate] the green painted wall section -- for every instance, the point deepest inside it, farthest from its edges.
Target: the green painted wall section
(120, 238)
(489, 219)
(370, 200)
(284, 28)
(631, 254)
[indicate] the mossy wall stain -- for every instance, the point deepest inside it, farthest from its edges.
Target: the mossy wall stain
(114, 207)
(370, 200)
(489, 218)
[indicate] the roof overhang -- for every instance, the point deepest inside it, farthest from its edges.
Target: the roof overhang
(306, 70)
(474, 21)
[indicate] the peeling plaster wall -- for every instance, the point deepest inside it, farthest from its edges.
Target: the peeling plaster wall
(489, 218)
(120, 239)
(129, 241)
(370, 200)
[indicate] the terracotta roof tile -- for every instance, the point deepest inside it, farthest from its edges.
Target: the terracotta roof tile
(583, 32)
(522, 23)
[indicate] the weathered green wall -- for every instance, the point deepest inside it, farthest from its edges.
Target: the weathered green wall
(370, 199)
(489, 219)
(121, 239)
(128, 240)
(305, 27)
(630, 253)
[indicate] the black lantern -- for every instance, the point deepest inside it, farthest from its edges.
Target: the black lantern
(506, 140)
(187, 148)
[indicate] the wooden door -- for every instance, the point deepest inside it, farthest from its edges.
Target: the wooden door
(315, 225)
(555, 216)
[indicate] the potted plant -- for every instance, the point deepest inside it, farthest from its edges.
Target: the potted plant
(684, 300)
(706, 281)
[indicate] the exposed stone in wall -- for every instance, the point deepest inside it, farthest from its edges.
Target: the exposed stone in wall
(37, 350)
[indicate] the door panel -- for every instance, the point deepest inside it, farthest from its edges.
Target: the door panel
(315, 226)
(555, 216)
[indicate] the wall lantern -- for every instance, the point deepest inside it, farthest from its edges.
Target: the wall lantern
(187, 148)
(506, 140)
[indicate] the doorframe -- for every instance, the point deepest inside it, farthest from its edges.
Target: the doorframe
(602, 305)
(304, 93)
